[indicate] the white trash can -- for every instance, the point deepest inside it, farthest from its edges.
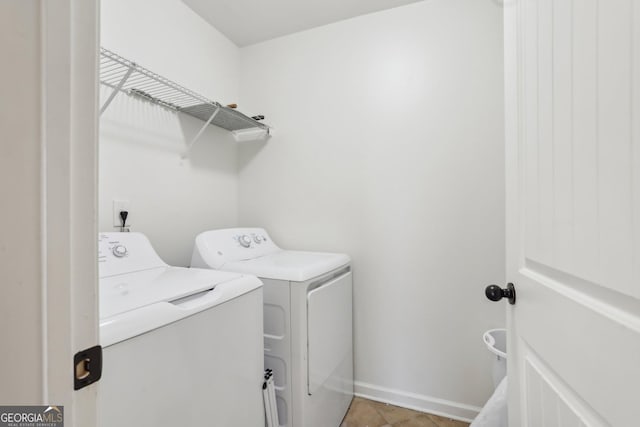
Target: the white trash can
(496, 342)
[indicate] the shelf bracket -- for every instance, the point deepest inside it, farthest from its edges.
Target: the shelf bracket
(200, 132)
(117, 89)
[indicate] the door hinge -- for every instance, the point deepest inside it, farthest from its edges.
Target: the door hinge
(87, 367)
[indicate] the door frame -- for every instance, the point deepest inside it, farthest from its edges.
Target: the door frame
(70, 45)
(59, 96)
(513, 225)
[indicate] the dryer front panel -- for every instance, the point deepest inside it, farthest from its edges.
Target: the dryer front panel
(329, 333)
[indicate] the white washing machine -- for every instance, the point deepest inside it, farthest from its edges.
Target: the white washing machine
(181, 347)
(307, 320)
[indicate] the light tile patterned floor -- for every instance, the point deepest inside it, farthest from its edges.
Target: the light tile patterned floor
(367, 413)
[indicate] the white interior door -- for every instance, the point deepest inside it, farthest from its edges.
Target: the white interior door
(573, 211)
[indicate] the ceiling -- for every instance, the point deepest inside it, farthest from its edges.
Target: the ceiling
(247, 22)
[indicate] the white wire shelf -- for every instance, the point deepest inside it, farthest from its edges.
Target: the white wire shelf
(123, 75)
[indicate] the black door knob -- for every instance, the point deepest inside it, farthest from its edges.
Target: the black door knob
(495, 293)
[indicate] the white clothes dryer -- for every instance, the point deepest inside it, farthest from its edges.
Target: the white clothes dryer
(181, 347)
(307, 320)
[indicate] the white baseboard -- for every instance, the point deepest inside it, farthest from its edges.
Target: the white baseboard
(418, 402)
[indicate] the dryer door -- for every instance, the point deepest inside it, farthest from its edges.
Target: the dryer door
(329, 332)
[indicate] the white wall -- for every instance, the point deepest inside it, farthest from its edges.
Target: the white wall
(172, 199)
(389, 147)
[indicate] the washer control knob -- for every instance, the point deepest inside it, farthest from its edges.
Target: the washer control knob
(244, 240)
(257, 239)
(119, 251)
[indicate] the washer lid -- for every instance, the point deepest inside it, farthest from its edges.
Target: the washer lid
(136, 303)
(295, 266)
(126, 292)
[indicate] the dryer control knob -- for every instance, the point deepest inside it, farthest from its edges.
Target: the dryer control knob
(119, 251)
(257, 239)
(244, 240)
